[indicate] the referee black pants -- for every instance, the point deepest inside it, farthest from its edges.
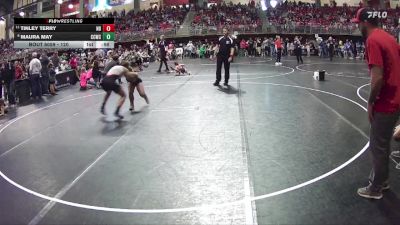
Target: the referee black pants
(163, 60)
(298, 56)
(224, 60)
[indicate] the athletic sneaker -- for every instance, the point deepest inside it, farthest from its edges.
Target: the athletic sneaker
(276, 64)
(216, 83)
(367, 192)
(385, 186)
(116, 113)
(396, 154)
(118, 116)
(226, 84)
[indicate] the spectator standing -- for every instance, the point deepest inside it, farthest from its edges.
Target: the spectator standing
(331, 47)
(52, 79)
(243, 46)
(44, 60)
(272, 47)
(278, 48)
(55, 60)
(382, 53)
(19, 72)
(73, 62)
(9, 81)
(34, 75)
(1, 80)
(96, 73)
(250, 44)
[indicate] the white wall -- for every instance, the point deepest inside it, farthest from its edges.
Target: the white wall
(146, 4)
(394, 3)
(11, 33)
(2, 30)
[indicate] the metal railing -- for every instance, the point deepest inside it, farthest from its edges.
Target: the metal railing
(314, 29)
(127, 36)
(240, 29)
(214, 30)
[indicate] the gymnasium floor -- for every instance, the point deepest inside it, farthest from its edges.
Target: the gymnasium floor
(276, 147)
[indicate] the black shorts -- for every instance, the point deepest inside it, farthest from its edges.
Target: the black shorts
(137, 81)
(109, 84)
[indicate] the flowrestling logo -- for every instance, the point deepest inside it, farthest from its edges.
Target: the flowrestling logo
(377, 14)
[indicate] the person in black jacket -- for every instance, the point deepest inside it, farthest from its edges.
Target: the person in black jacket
(8, 72)
(163, 54)
(298, 50)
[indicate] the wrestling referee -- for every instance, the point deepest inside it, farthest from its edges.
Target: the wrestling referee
(225, 56)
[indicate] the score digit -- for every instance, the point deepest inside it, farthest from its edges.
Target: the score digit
(108, 36)
(108, 28)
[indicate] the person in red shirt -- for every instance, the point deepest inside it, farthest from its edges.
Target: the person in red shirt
(383, 58)
(278, 48)
(19, 73)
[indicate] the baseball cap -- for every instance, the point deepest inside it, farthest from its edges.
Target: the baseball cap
(368, 15)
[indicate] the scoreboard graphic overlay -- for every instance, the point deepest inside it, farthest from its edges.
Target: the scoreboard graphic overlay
(64, 33)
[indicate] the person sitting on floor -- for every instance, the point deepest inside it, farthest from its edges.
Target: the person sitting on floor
(86, 78)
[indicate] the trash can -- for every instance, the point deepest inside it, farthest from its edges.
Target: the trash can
(319, 75)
